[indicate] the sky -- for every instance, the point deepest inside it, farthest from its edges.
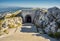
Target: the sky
(30, 3)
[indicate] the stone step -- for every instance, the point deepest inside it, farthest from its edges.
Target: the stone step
(28, 24)
(28, 29)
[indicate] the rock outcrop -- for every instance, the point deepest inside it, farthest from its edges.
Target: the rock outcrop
(49, 21)
(9, 22)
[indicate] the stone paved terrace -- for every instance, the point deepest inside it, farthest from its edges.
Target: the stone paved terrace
(27, 33)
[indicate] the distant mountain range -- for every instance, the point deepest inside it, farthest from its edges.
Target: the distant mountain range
(11, 9)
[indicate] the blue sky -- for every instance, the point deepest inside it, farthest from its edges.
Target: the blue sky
(30, 3)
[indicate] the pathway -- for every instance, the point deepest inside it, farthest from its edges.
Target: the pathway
(27, 33)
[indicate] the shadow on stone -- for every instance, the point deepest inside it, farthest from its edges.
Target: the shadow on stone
(46, 37)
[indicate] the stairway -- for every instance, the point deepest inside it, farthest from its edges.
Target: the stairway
(28, 24)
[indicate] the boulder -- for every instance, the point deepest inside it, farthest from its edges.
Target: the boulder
(49, 22)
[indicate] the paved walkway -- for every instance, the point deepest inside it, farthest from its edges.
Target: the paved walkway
(27, 33)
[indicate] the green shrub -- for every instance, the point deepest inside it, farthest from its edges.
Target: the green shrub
(6, 31)
(51, 35)
(11, 26)
(55, 35)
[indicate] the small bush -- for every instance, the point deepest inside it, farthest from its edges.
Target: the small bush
(51, 35)
(55, 35)
(11, 26)
(6, 31)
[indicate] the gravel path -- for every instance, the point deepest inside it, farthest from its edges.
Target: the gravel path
(27, 33)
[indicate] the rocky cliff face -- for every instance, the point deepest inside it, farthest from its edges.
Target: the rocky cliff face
(49, 22)
(9, 22)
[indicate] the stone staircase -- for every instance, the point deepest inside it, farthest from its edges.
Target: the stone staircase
(28, 24)
(29, 28)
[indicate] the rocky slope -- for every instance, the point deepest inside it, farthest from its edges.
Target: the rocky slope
(49, 21)
(8, 22)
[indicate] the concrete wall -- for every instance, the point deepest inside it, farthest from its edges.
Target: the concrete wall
(29, 12)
